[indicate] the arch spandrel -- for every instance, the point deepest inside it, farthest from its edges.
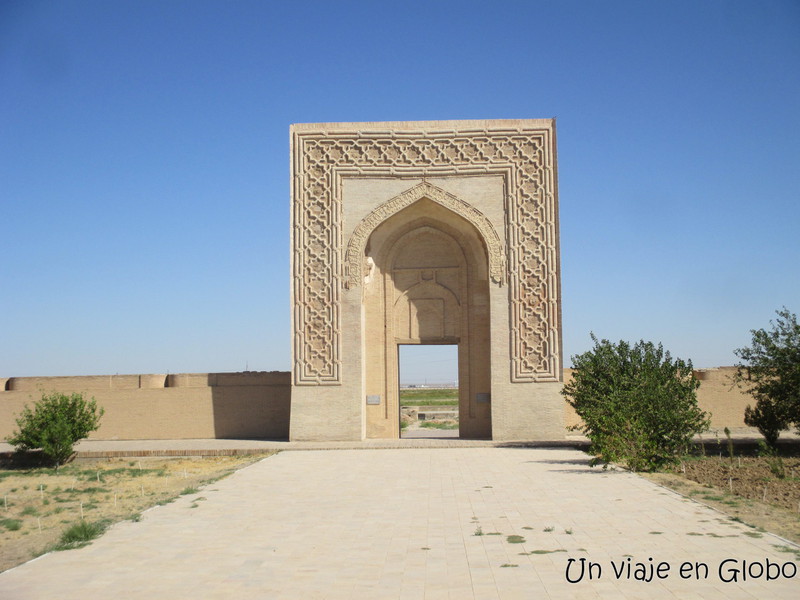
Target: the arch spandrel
(354, 255)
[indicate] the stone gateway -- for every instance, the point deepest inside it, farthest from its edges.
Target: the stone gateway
(440, 232)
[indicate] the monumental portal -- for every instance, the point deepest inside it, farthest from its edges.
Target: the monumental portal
(439, 232)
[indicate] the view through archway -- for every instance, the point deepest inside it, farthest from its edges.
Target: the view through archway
(428, 376)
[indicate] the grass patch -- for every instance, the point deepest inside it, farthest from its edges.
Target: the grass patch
(542, 552)
(132, 473)
(80, 534)
(507, 565)
(713, 497)
(429, 397)
(94, 490)
(189, 490)
(438, 425)
(753, 534)
(11, 524)
(515, 539)
(788, 549)
(548, 529)
(430, 403)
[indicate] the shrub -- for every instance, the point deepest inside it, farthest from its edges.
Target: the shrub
(79, 535)
(56, 422)
(11, 524)
(773, 459)
(769, 417)
(770, 371)
(638, 405)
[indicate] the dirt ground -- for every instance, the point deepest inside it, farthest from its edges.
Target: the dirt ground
(37, 505)
(748, 488)
(750, 477)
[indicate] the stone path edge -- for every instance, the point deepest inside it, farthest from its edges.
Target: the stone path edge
(99, 449)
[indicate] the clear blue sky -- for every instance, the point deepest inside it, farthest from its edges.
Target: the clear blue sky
(144, 163)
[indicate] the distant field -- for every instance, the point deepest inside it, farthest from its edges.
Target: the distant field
(429, 397)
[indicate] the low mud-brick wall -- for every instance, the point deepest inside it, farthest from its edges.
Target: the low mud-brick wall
(248, 405)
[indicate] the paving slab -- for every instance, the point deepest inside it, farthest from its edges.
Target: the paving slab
(419, 523)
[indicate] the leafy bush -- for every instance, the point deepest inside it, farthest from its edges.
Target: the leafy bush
(770, 371)
(769, 417)
(56, 422)
(638, 405)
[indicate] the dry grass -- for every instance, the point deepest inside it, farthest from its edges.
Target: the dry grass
(38, 505)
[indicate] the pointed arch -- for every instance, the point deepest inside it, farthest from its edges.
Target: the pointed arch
(354, 256)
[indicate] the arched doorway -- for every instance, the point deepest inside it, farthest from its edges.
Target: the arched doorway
(427, 283)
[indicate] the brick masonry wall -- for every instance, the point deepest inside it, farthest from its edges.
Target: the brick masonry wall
(716, 395)
(182, 406)
(252, 404)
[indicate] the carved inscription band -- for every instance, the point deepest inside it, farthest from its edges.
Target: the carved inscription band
(525, 158)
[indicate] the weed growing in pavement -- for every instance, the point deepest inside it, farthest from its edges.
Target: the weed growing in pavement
(80, 534)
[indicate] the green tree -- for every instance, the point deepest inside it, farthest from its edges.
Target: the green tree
(55, 424)
(770, 371)
(638, 405)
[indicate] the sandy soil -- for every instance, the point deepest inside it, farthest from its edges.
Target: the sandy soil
(36, 505)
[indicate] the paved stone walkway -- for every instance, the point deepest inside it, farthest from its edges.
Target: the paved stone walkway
(403, 523)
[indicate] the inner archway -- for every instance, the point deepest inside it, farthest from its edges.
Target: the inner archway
(427, 284)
